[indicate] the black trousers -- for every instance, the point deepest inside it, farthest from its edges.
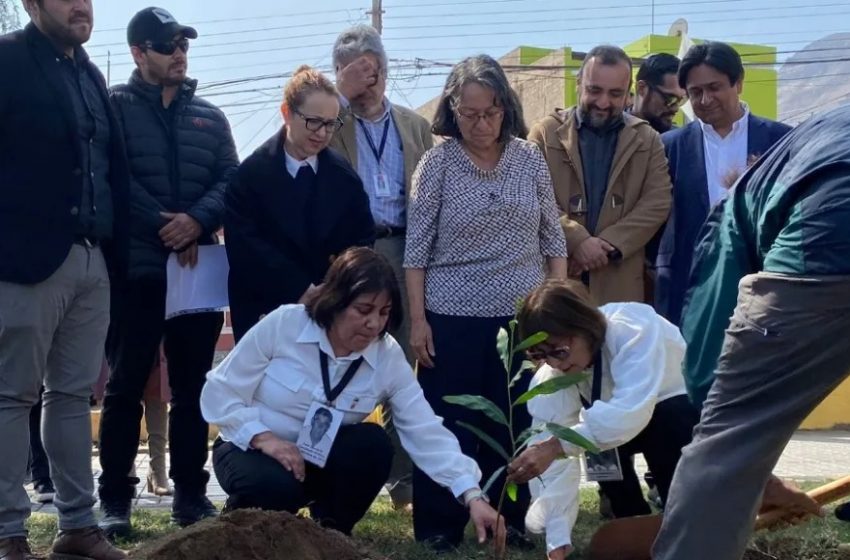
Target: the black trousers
(39, 465)
(467, 362)
(339, 494)
(661, 443)
(137, 328)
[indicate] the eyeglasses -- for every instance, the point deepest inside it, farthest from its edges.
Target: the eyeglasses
(671, 100)
(538, 354)
(490, 115)
(314, 124)
(169, 47)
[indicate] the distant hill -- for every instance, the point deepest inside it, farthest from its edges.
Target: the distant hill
(805, 89)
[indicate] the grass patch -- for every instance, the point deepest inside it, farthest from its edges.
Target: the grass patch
(390, 533)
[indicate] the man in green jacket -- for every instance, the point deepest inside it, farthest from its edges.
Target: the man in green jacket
(776, 258)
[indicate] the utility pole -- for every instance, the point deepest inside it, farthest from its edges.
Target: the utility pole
(377, 14)
(108, 68)
(652, 29)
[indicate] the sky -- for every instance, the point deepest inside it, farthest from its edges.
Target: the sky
(246, 48)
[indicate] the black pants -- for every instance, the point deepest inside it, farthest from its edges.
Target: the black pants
(339, 494)
(138, 326)
(661, 444)
(39, 465)
(467, 362)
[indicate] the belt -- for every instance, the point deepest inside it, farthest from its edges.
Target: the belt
(384, 231)
(85, 241)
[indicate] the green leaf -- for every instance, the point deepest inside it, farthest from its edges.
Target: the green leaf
(486, 439)
(512, 491)
(528, 365)
(527, 434)
(551, 386)
(570, 435)
(502, 347)
(477, 402)
(492, 479)
(512, 324)
(524, 367)
(532, 340)
(520, 301)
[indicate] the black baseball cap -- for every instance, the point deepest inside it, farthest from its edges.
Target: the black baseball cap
(156, 25)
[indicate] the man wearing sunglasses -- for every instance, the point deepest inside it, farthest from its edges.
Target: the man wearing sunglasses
(181, 155)
(657, 92)
(705, 158)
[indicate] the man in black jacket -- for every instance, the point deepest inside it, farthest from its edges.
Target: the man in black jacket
(63, 202)
(181, 155)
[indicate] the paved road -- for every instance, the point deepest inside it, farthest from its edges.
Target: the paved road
(809, 456)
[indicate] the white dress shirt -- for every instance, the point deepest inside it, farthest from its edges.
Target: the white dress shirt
(293, 165)
(641, 366)
(724, 157)
(268, 382)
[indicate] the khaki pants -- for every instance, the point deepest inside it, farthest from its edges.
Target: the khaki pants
(785, 351)
(52, 333)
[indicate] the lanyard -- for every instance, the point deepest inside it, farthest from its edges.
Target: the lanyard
(596, 383)
(377, 152)
(332, 394)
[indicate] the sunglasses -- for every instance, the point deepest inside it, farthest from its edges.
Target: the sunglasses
(539, 354)
(671, 100)
(169, 47)
(314, 124)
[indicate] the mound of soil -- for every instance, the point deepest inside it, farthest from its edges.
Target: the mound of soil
(253, 535)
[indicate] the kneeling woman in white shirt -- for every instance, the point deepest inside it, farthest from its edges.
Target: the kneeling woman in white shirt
(334, 354)
(642, 404)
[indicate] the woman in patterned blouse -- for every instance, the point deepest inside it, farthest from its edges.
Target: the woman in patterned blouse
(483, 232)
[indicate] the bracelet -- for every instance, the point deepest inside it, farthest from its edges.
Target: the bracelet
(475, 494)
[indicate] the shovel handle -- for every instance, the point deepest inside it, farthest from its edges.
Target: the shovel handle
(822, 495)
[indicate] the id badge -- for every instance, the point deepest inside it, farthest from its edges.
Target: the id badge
(603, 467)
(382, 186)
(318, 433)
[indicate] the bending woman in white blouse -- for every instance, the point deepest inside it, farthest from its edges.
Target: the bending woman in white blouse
(261, 393)
(642, 406)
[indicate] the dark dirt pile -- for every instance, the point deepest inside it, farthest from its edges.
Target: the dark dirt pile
(253, 535)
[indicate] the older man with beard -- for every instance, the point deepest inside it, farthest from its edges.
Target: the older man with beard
(63, 204)
(610, 177)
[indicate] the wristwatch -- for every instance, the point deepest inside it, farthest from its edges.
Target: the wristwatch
(475, 494)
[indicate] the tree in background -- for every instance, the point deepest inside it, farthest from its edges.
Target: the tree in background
(9, 20)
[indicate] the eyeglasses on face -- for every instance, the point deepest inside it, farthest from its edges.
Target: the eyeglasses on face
(168, 47)
(490, 115)
(539, 353)
(671, 100)
(314, 124)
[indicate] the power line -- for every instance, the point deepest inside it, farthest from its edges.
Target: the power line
(595, 18)
(564, 29)
(224, 33)
(259, 130)
(571, 9)
(249, 18)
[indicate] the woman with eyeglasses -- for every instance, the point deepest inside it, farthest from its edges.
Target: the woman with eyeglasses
(294, 205)
(482, 232)
(638, 404)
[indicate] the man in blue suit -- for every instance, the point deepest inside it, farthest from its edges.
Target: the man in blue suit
(705, 159)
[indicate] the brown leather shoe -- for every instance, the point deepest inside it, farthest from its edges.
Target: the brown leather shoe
(84, 544)
(16, 548)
